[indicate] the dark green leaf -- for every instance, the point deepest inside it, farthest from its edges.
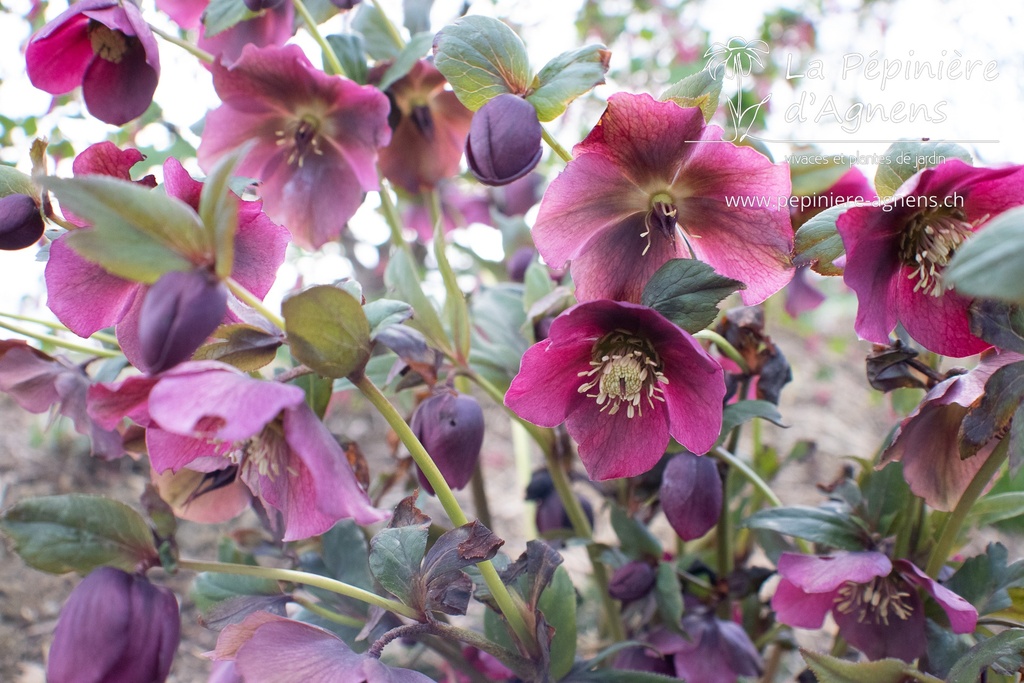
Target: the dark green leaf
(318, 392)
(210, 588)
(817, 243)
(346, 554)
(669, 593)
(418, 46)
(997, 508)
(220, 15)
(402, 276)
(820, 525)
(736, 414)
(635, 538)
(327, 330)
(373, 25)
(1006, 649)
(566, 77)
(987, 265)
(885, 494)
(447, 587)
(687, 292)
(348, 48)
(983, 580)
(905, 158)
(830, 669)
(383, 313)
(1004, 392)
(697, 90)
(77, 532)
(618, 676)
(395, 556)
(558, 605)
(998, 323)
(481, 58)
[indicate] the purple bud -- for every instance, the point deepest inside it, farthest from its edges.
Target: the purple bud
(643, 659)
(551, 514)
(179, 312)
(691, 495)
(21, 224)
(504, 140)
(632, 581)
(260, 5)
(518, 197)
(451, 427)
(115, 628)
(519, 262)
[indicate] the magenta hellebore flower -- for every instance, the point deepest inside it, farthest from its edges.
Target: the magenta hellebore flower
(267, 648)
(204, 414)
(106, 47)
(316, 138)
(115, 628)
(713, 651)
(274, 25)
(874, 601)
(896, 252)
(650, 183)
(623, 379)
(927, 442)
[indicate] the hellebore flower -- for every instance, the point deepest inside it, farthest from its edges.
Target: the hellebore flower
(650, 183)
(519, 196)
(106, 47)
(21, 224)
(504, 140)
(179, 311)
(716, 651)
(429, 128)
(205, 415)
(450, 426)
(691, 495)
(927, 442)
(632, 581)
(623, 379)
(71, 279)
(274, 25)
(874, 601)
(267, 648)
(115, 628)
(316, 138)
(896, 252)
(643, 659)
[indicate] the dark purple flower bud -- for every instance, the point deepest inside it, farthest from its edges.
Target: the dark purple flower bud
(691, 495)
(504, 140)
(551, 514)
(179, 312)
(642, 659)
(632, 581)
(260, 5)
(451, 427)
(21, 224)
(519, 262)
(115, 628)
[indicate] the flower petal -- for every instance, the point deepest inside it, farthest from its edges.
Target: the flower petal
(285, 651)
(613, 446)
(938, 323)
(58, 55)
(546, 387)
(826, 573)
(117, 92)
(963, 617)
(796, 607)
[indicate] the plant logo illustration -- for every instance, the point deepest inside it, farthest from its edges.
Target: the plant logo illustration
(738, 58)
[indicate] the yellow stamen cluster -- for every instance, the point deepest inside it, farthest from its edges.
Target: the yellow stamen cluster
(928, 243)
(874, 601)
(304, 136)
(106, 42)
(624, 370)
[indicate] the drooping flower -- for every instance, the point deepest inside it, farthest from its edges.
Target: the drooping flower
(273, 26)
(204, 415)
(429, 128)
(551, 516)
(651, 182)
(714, 651)
(691, 495)
(21, 224)
(632, 581)
(451, 427)
(623, 379)
(115, 628)
(106, 47)
(316, 138)
(267, 648)
(927, 442)
(504, 142)
(896, 252)
(874, 601)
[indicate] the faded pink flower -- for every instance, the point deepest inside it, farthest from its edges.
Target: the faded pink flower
(650, 183)
(623, 379)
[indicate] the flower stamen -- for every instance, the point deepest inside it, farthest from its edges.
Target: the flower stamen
(661, 217)
(874, 601)
(625, 370)
(929, 241)
(303, 135)
(106, 42)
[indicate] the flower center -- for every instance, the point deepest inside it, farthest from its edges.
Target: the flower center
(265, 455)
(424, 121)
(929, 242)
(661, 218)
(624, 369)
(106, 42)
(874, 601)
(303, 136)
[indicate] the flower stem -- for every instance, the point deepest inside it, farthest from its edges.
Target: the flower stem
(200, 54)
(329, 55)
(447, 499)
(97, 336)
(727, 349)
(62, 343)
(455, 300)
(955, 521)
(555, 146)
(304, 578)
(390, 212)
(254, 302)
(748, 473)
(396, 37)
(328, 614)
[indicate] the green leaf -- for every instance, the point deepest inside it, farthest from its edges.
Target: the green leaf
(1004, 392)
(820, 525)
(498, 343)
(416, 15)
(566, 77)
(997, 508)
(346, 554)
(77, 532)
(988, 264)
(373, 25)
(481, 58)
(220, 15)
(246, 347)
(1006, 649)
(401, 275)
(998, 323)
(687, 292)
(635, 538)
(317, 390)
(696, 90)
(886, 493)
(618, 676)
(537, 284)
(211, 588)
(383, 313)
(218, 210)
(558, 605)
(828, 669)
(817, 242)
(814, 177)
(407, 58)
(321, 10)
(395, 556)
(13, 181)
(349, 49)
(327, 330)
(906, 157)
(736, 414)
(983, 580)
(669, 593)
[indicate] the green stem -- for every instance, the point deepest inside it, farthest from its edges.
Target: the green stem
(748, 473)
(202, 55)
(727, 349)
(455, 300)
(97, 336)
(328, 614)
(304, 578)
(387, 207)
(483, 510)
(254, 302)
(329, 55)
(396, 37)
(955, 521)
(555, 146)
(447, 499)
(521, 456)
(62, 343)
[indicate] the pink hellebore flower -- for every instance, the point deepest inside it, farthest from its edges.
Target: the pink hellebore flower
(106, 47)
(651, 182)
(896, 252)
(623, 379)
(873, 600)
(316, 138)
(202, 415)
(273, 26)
(713, 651)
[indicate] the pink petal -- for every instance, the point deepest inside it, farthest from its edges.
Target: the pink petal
(695, 390)
(613, 446)
(185, 13)
(116, 93)
(826, 573)
(272, 27)
(260, 246)
(106, 158)
(545, 390)
(801, 609)
(963, 617)
(58, 55)
(211, 507)
(940, 324)
(174, 452)
(293, 652)
(109, 404)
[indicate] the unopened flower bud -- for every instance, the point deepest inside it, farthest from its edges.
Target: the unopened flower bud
(21, 224)
(504, 140)
(260, 5)
(632, 581)
(691, 495)
(551, 514)
(519, 262)
(451, 427)
(179, 312)
(115, 628)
